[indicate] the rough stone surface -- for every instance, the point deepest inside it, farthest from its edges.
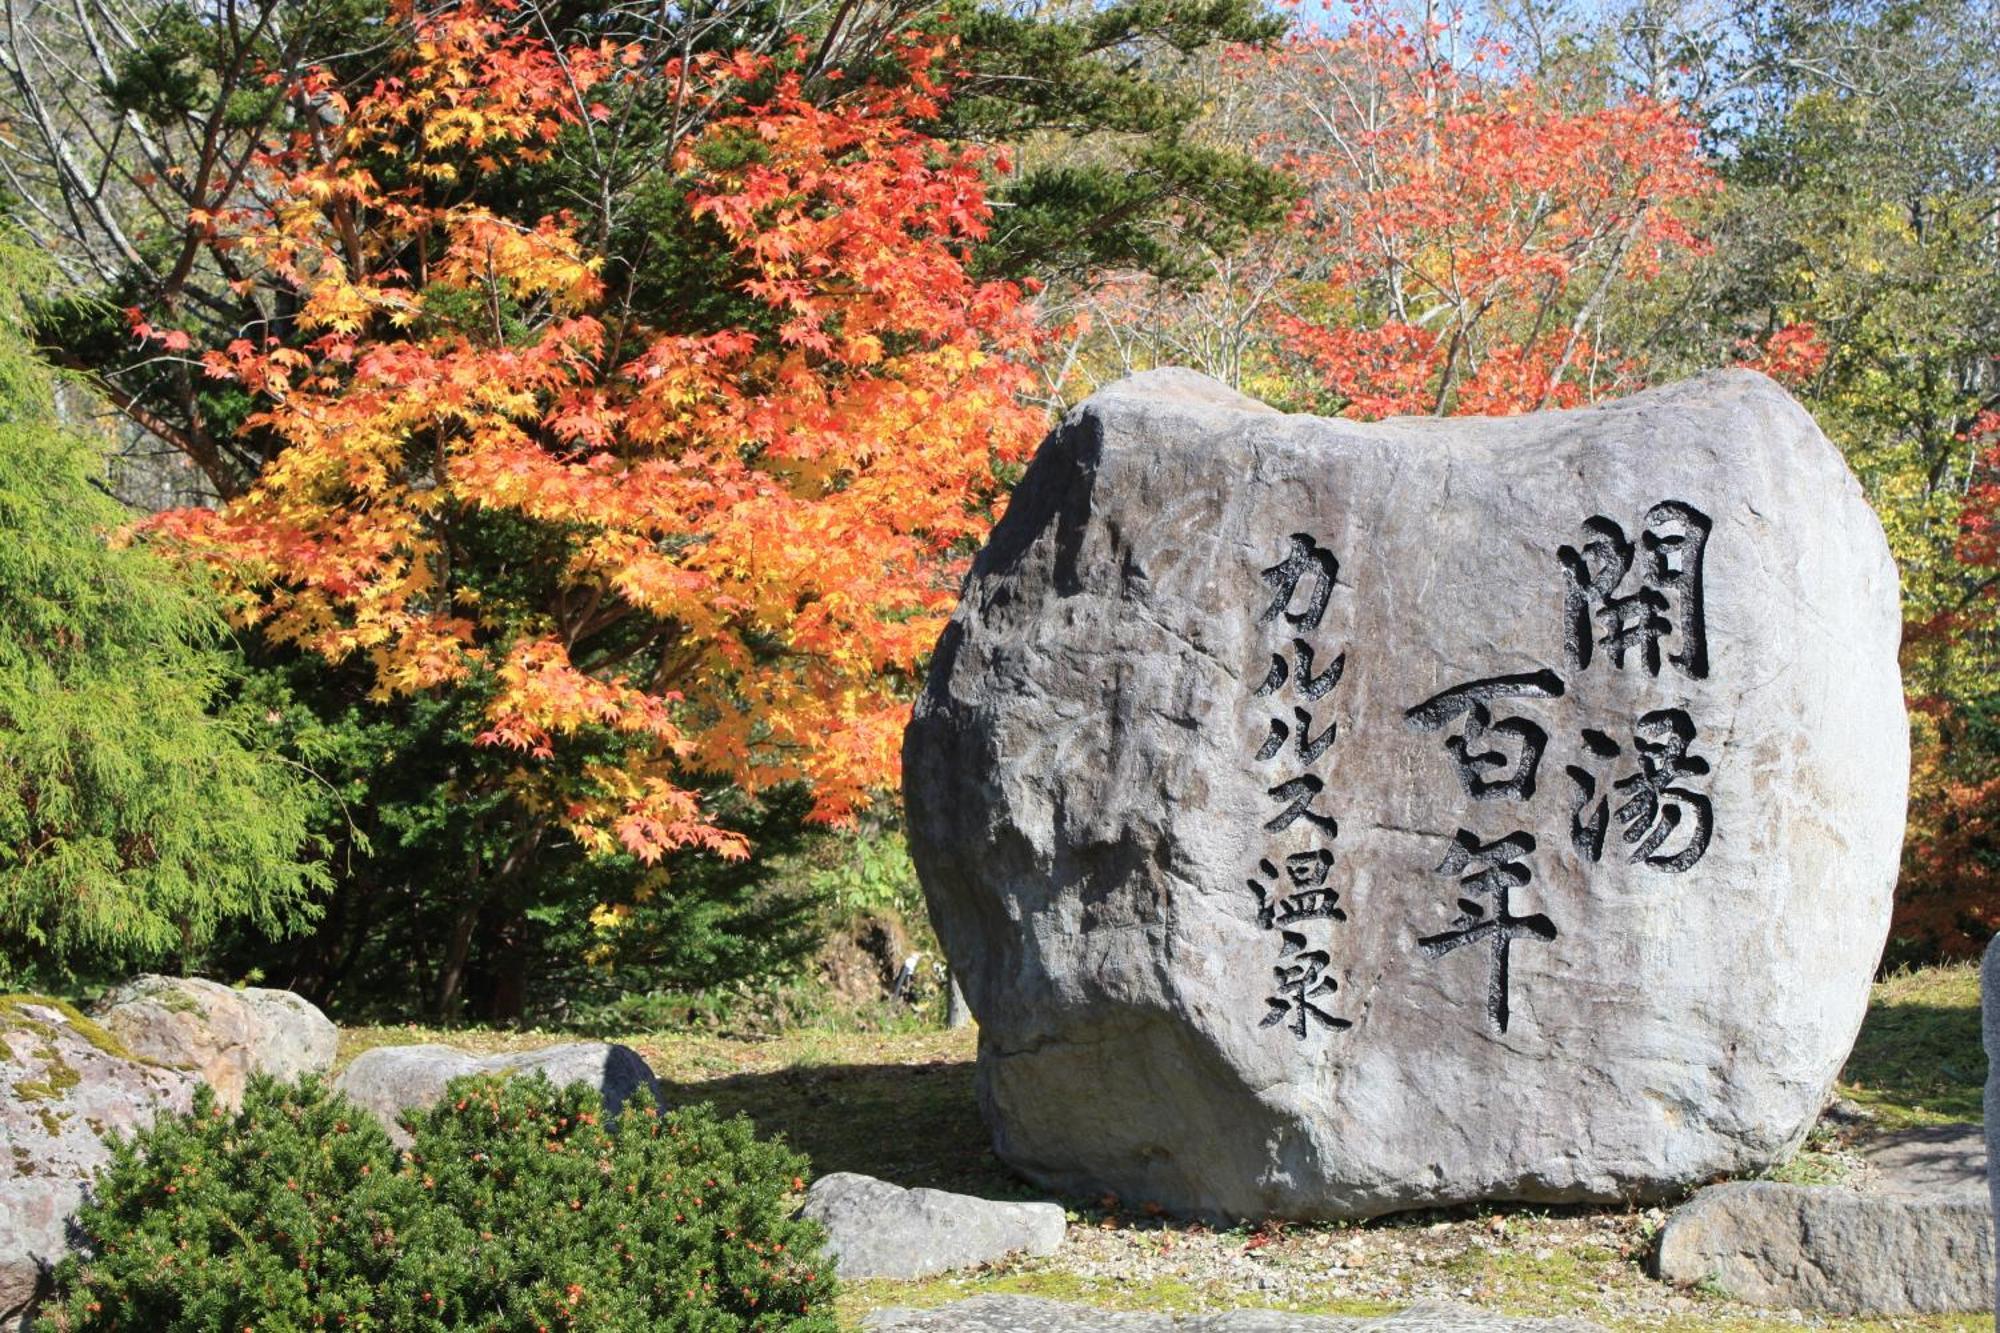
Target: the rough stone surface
(876, 1229)
(392, 1079)
(1088, 810)
(1989, 1008)
(64, 1087)
(1891, 1249)
(1030, 1314)
(221, 1034)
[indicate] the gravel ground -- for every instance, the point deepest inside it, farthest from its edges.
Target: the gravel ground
(1588, 1263)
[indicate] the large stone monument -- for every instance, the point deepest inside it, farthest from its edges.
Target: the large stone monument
(1326, 819)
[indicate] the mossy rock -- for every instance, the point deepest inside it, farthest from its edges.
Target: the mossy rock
(162, 991)
(14, 1017)
(69, 1089)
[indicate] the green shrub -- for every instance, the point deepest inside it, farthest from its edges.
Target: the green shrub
(517, 1209)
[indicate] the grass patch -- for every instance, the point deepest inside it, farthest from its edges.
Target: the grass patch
(1170, 1295)
(1826, 1159)
(1771, 1323)
(1154, 1296)
(901, 1108)
(1918, 1060)
(898, 1106)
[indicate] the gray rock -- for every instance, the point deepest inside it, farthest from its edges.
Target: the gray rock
(875, 1229)
(1936, 1161)
(1878, 1251)
(390, 1080)
(1142, 912)
(1030, 1314)
(1989, 1010)
(66, 1088)
(221, 1034)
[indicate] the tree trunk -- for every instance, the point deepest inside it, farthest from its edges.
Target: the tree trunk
(458, 947)
(507, 968)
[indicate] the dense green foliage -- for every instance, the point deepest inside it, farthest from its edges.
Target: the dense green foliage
(134, 822)
(409, 803)
(1115, 174)
(518, 1208)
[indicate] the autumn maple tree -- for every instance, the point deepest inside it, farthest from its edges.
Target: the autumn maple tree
(656, 556)
(1461, 230)
(1949, 898)
(1475, 221)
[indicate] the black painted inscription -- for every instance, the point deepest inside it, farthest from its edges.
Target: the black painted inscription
(1627, 604)
(1664, 603)
(1490, 872)
(1302, 978)
(1293, 739)
(1313, 687)
(1307, 563)
(1665, 822)
(1309, 899)
(1491, 774)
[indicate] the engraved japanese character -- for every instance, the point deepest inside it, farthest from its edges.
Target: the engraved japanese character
(1650, 805)
(1307, 557)
(1310, 747)
(1300, 792)
(1301, 977)
(1667, 600)
(1489, 871)
(1314, 687)
(1309, 899)
(1491, 774)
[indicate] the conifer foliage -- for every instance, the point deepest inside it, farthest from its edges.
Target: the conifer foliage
(133, 823)
(518, 1208)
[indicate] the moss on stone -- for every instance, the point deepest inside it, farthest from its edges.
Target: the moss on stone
(13, 1014)
(172, 998)
(62, 1077)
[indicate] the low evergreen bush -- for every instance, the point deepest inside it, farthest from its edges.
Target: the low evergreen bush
(518, 1209)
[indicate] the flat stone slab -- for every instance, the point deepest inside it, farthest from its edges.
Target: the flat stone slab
(878, 1230)
(1916, 1239)
(1927, 1163)
(1029, 1314)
